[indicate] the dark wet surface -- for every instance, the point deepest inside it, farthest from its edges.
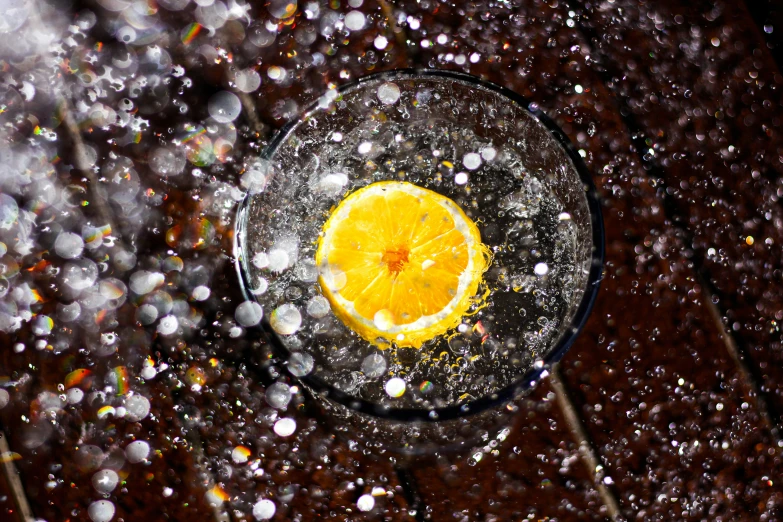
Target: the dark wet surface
(677, 111)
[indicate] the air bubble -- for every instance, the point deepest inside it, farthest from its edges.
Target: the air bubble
(137, 407)
(168, 325)
(472, 161)
(282, 9)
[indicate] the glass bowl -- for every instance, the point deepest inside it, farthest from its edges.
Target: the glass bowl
(512, 172)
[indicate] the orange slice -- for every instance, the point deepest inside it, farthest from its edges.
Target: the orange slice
(400, 263)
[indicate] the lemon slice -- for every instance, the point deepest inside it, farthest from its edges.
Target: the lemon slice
(400, 263)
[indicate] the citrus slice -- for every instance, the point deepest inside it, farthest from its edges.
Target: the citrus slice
(400, 263)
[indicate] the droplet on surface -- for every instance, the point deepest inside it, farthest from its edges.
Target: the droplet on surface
(286, 319)
(105, 480)
(388, 93)
(248, 313)
(4, 398)
(278, 395)
(101, 511)
(541, 269)
(224, 107)
(264, 509)
(137, 451)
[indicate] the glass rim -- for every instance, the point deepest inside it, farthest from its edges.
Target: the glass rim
(520, 385)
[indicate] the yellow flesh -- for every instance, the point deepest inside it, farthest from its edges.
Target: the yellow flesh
(400, 263)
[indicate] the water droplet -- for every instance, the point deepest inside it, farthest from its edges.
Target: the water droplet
(355, 20)
(472, 161)
(278, 395)
(286, 319)
(68, 245)
(285, 427)
(264, 509)
(388, 93)
(224, 107)
(541, 269)
(374, 365)
(395, 387)
(137, 451)
(101, 511)
(365, 503)
(105, 480)
(248, 313)
(300, 364)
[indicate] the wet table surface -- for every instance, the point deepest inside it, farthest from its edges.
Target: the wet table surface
(668, 407)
